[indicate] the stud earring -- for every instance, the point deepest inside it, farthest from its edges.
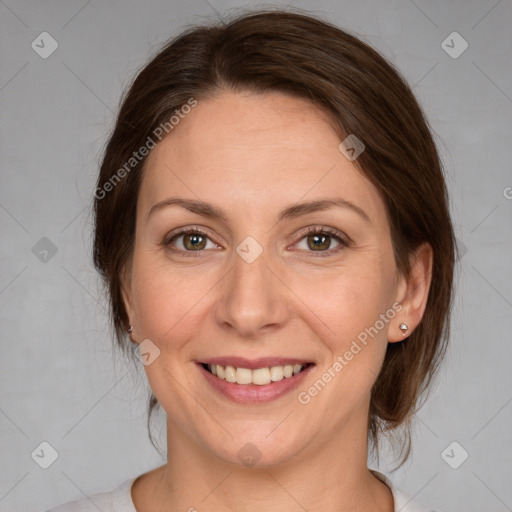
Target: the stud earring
(130, 330)
(403, 328)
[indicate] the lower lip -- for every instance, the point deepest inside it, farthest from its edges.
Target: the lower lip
(252, 393)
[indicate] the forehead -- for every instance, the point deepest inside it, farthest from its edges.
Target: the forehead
(256, 152)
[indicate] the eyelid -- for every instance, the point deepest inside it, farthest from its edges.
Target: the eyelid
(312, 230)
(167, 242)
(344, 241)
(187, 230)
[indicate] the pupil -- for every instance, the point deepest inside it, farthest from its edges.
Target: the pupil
(194, 241)
(319, 242)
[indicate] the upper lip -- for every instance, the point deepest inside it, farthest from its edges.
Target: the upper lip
(262, 362)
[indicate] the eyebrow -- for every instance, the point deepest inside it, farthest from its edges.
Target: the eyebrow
(295, 210)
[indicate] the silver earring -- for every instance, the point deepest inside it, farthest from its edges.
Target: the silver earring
(130, 330)
(403, 328)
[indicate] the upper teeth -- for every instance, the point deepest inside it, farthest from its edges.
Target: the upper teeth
(260, 376)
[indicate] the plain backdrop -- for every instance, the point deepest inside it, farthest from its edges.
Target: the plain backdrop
(60, 382)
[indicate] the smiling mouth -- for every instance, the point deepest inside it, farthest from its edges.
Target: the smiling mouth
(257, 376)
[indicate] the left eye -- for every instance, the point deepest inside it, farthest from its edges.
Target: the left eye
(319, 241)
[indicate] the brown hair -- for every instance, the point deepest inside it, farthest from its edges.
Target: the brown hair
(309, 58)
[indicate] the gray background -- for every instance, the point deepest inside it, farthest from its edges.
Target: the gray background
(59, 380)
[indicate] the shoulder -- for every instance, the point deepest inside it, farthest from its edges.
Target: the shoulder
(403, 503)
(116, 500)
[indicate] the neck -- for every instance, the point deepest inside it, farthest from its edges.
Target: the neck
(331, 476)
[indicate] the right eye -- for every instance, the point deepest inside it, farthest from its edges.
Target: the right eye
(189, 240)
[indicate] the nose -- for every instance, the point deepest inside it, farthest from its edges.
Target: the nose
(253, 299)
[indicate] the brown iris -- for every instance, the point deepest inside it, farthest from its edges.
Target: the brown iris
(193, 241)
(319, 242)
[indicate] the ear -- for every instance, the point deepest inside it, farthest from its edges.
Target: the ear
(126, 290)
(412, 293)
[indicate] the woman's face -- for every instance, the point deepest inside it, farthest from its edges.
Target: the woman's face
(253, 289)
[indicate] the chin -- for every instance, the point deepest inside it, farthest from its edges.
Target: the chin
(259, 450)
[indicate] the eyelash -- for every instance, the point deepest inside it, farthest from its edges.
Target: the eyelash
(332, 233)
(343, 243)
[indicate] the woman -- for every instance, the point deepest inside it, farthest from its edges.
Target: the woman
(272, 224)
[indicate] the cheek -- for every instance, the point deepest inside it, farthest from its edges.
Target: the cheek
(167, 302)
(349, 302)
(352, 313)
(167, 299)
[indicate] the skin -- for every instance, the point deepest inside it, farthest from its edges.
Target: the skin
(253, 155)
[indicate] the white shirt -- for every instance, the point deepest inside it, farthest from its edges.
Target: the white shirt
(120, 500)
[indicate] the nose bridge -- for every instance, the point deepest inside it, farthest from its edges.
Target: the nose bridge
(251, 298)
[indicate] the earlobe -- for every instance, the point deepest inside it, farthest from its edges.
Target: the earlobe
(412, 294)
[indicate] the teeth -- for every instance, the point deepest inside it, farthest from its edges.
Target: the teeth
(230, 374)
(260, 376)
(276, 373)
(243, 376)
